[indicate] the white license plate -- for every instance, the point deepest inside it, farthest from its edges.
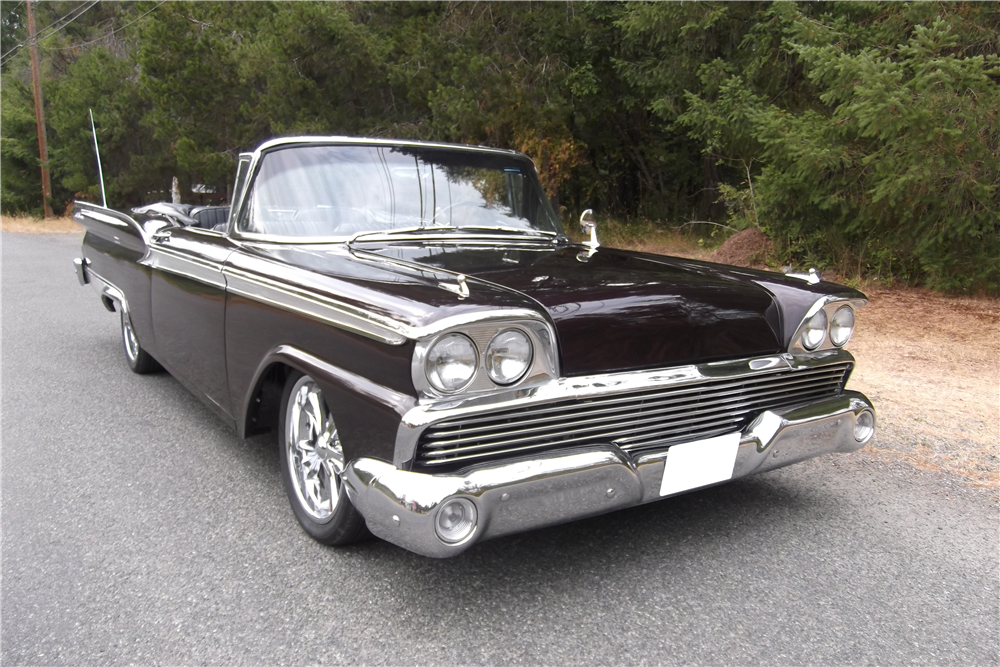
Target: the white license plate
(700, 463)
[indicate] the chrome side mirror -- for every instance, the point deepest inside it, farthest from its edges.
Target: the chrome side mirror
(589, 224)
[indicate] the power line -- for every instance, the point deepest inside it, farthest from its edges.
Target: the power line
(80, 10)
(102, 38)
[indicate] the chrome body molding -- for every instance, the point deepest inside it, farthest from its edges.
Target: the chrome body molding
(518, 495)
(558, 389)
(110, 294)
(183, 264)
(305, 302)
(101, 217)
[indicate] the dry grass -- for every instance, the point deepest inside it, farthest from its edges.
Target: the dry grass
(23, 224)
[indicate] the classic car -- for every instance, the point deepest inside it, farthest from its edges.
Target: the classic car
(442, 364)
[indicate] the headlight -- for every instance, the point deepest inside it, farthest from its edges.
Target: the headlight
(451, 363)
(814, 331)
(508, 356)
(842, 326)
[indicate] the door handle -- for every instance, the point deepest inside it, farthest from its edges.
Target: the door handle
(162, 236)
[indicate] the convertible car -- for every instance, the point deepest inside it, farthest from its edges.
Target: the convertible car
(443, 365)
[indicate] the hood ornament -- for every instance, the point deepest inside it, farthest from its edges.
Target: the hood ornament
(461, 289)
(588, 224)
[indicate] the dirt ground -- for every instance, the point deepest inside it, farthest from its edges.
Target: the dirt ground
(930, 363)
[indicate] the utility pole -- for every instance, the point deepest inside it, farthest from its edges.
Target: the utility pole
(43, 151)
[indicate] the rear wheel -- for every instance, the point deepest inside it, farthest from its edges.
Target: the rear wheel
(312, 464)
(138, 359)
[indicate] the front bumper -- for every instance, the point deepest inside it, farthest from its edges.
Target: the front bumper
(514, 496)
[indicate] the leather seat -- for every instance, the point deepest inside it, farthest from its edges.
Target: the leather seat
(211, 217)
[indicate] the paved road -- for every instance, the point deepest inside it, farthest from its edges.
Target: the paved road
(138, 529)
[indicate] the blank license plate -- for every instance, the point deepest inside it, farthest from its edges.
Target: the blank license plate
(700, 463)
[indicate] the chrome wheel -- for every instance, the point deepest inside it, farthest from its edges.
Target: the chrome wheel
(129, 339)
(314, 455)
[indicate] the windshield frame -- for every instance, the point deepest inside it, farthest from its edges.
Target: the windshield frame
(242, 197)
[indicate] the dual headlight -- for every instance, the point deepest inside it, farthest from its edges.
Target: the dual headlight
(839, 328)
(453, 360)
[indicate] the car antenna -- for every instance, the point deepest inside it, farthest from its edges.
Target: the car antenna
(100, 172)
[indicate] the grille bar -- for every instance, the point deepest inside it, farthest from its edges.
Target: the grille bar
(738, 386)
(443, 438)
(633, 421)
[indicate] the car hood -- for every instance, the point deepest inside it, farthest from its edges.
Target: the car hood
(612, 310)
(615, 310)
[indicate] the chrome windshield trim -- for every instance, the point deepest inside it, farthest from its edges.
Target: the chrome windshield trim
(254, 157)
(374, 141)
(418, 419)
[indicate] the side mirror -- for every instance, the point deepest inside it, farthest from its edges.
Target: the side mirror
(589, 224)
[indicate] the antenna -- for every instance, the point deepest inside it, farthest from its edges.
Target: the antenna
(100, 172)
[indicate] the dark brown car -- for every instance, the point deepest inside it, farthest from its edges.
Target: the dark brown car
(442, 365)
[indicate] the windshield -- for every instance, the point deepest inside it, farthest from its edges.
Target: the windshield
(338, 191)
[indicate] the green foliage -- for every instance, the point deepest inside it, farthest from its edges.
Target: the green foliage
(893, 170)
(858, 134)
(20, 178)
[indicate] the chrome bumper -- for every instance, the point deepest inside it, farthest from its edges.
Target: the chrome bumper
(400, 506)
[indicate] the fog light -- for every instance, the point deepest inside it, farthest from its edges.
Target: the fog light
(456, 520)
(864, 427)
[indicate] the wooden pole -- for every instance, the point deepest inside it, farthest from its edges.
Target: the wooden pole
(43, 151)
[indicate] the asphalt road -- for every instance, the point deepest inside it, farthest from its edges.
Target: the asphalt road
(138, 529)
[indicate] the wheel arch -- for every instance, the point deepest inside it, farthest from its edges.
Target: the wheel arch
(367, 414)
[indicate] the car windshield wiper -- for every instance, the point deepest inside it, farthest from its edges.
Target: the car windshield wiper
(509, 230)
(382, 233)
(397, 231)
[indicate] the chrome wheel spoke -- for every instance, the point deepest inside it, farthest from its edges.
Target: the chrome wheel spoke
(313, 451)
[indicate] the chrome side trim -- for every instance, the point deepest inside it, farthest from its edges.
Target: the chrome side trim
(421, 417)
(108, 291)
(286, 297)
(102, 217)
(83, 210)
(195, 268)
(557, 487)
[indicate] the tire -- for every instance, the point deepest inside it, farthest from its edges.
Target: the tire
(312, 463)
(139, 361)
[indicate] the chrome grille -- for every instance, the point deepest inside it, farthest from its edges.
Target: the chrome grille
(634, 421)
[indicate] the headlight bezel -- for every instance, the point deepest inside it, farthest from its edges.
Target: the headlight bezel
(828, 307)
(482, 330)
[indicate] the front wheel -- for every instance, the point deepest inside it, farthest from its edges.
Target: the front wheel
(312, 463)
(137, 358)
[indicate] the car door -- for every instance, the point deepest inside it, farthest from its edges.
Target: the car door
(188, 297)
